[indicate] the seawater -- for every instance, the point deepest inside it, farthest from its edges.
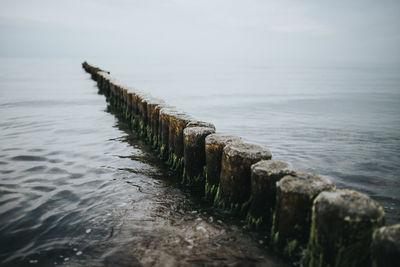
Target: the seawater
(77, 187)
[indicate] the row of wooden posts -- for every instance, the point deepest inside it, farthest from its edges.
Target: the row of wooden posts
(306, 217)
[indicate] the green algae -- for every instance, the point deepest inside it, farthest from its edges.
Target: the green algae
(254, 223)
(155, 142)
(290, 248)
(210, 191)
(272, 232)
(148, 134)
(175, 163)
(239, 209)
(163, 151)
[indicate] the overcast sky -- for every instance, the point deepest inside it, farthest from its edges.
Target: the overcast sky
(348, 31)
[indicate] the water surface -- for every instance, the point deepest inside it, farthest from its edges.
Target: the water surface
(78, 188)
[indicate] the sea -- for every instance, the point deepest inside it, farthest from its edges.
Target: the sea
(78, 187)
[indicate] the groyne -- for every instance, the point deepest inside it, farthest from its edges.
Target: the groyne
(306, 218)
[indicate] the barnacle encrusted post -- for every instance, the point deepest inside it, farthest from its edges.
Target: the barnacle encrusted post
(235, 180)
(215, 144)
(195, 155)
(294, 199)
(264, 175)
(343, 222)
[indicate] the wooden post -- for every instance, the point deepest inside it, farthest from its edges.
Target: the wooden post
(343, 222)
(215, 144)
(264, 175)
(235, 177)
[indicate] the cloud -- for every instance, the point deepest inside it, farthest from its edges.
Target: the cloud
(256, 29)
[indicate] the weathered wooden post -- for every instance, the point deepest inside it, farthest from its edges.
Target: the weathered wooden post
(142, 108)
(119, 96)
(136, 115)
(165, 114)
(386, 246)
(113, 98)
(343, 222)
(292, 220)
(106, 85)
(177, 124)
(153, 108)
(215, 144)
(235, 179)
(264, 175)
(155, 118)
(125, 105)
(105, 89)
(195, 155)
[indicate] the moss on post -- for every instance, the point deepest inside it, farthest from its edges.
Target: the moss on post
(235, 179)
(343, 222)
(214, 145)
(264, 175)
(294, 198)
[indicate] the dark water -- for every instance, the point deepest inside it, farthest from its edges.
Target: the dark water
(78, 188)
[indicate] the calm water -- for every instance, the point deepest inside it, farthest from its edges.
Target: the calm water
(77, 188)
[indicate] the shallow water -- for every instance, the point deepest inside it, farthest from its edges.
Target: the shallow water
(78, 188)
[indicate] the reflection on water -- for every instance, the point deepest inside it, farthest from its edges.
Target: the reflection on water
(78, 188)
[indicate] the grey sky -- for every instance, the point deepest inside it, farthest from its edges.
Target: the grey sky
(339, 31)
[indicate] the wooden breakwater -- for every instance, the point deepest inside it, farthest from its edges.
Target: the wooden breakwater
(306, 218)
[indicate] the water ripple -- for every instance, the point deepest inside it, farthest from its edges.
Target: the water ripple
(29, 158)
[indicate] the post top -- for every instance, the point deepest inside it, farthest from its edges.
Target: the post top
(246, 150)
(309, 184)
(272, 167)
(350, 204)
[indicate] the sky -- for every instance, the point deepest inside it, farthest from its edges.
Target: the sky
(339, 31)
